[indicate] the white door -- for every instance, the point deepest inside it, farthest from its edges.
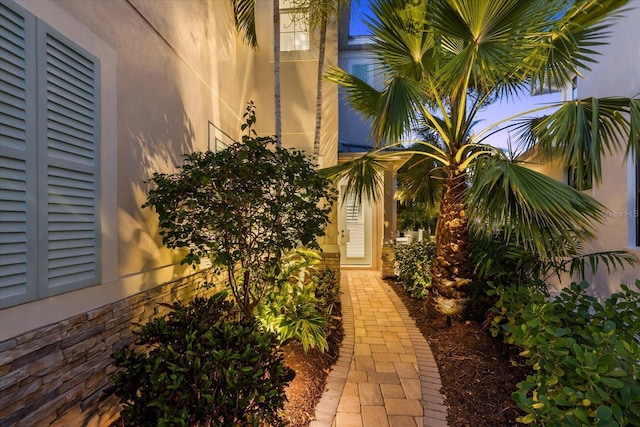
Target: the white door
(355, 232)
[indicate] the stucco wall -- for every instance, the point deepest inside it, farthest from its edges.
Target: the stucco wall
(616, 74)
(170, 70)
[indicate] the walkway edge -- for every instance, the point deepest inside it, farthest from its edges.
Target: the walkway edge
(327, 407)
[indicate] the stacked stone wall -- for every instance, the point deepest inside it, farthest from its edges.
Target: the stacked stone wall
(331, 260)
(58, 375)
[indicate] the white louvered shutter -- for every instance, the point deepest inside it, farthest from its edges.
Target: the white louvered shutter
(18, 189)
(69, 210)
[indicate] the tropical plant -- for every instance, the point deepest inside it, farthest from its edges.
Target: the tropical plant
(199, 366)
(420, 186)
(584, 354)
(503, 261)
(292, 311)
(242, 208)
(413, 262)
(444, 61)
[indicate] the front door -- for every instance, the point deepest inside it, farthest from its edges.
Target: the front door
(355, 232)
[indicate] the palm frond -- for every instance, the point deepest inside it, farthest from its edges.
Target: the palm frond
(570, 41)
(398, 110)
(421, 180)
(633, 146)
(611, 260)
(400, 42)
(581, 132)
(490, 41)
(244, 14)
(542, 214)
(363, 97)
(363, 176)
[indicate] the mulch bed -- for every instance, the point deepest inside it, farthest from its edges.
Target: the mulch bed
(476, 369)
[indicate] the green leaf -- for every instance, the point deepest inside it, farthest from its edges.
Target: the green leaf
(603, 413)
(581, 414)
(527, 419)
(612, 382)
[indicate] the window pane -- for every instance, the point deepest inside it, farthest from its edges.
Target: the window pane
(361, 71)
(301, 41)
(287, 42)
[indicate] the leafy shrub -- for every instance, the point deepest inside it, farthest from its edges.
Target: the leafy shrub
(199, 366)
(301, 307)
(413, 266)
(242, 208)
(585, 355)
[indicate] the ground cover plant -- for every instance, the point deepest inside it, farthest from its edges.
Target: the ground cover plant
(585, 354)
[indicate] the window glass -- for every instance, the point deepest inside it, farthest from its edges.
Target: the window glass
(294, 29)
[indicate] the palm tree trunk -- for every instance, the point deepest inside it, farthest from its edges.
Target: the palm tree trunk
(276, 71)
(452, 271)
(316, 137)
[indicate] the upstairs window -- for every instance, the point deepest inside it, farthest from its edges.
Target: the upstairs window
(49, 174)
(361, 71)
(294, 27)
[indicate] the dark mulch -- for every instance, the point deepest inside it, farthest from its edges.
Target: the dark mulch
(476, 369)
(312, 368)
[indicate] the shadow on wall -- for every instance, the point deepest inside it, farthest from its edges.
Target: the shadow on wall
(159, 149)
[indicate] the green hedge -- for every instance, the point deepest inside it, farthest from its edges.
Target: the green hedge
(585, 354)
(413, 266)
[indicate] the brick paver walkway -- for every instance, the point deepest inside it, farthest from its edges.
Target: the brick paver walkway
(386, 374)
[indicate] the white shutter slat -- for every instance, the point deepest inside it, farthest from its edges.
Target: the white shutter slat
(72, 225)
(14, 238)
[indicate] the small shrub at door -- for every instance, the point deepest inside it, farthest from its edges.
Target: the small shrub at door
(413, 266)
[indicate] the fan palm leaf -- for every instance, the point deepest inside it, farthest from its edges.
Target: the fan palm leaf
(363, 176)
(542, 214)
(581, 132)
(244, 14)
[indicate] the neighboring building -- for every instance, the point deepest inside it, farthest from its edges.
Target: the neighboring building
(96, 96)
(367, 229)
(616, 74)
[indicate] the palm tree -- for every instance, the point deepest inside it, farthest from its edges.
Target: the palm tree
(445, 60)
(322, 13)
(244, 14)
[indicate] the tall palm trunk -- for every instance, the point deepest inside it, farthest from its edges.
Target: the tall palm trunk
(322, 47)
(276, 71)
(451, 272)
